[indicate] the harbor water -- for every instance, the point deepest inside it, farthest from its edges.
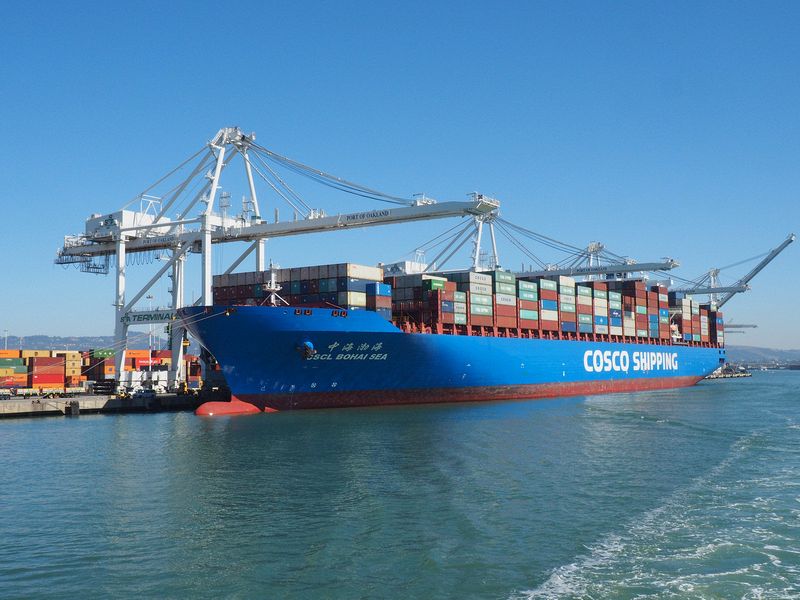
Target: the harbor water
(688, 493)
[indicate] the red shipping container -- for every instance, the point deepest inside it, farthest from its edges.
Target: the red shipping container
(528, 304)
(45, 361)
(548, 295)
(600, 285)
(506, 321)
(528, 324)
(483, 320)
(548, 325)
(450, 286)
(374, 302)
(448, 318)
(568, 316)
(502, 310)
(34, 380)
(584, 309)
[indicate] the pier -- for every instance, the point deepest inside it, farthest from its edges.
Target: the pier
(94, 404)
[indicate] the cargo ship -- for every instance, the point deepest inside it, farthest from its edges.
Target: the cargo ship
(348, 335)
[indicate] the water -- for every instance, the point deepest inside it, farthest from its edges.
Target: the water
(691, 493)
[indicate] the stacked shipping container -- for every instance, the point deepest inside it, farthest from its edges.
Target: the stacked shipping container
(559, 306)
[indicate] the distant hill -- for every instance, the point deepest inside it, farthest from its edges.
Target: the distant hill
(753, 354)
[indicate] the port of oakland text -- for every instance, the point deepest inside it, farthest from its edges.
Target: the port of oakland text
(363, 216)
(599, 361)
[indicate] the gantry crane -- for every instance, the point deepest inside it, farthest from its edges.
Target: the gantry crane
(709, 283)
(198, 228)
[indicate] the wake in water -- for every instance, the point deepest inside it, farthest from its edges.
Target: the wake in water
(731, 533)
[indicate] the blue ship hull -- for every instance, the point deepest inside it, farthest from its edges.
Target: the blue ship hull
(281, 358)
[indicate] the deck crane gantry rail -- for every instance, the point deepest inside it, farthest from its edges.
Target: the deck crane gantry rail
(127, 232)
(709, 283)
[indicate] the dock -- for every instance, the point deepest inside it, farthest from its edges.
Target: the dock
(96, 404)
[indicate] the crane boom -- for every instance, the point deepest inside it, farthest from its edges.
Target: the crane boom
(757, 269)
(603, 269)
(139, 239)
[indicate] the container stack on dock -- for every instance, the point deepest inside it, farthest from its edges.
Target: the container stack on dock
(41, 369)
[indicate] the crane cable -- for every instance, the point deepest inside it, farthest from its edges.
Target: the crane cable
(330, 180)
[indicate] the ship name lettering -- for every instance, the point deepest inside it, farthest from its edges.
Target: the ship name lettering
(604, 361)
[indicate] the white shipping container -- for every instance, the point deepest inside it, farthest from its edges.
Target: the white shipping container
(364, 272)
(601, 302)
(505, 299)
(460, 307)
(353, 298)
(615, 330)
(564, 280)
(483, 278)
(548, 315)
(480, 288)
(584, 300)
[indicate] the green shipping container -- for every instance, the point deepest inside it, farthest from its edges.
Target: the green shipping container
(528, 314)
(585, 319)
(615, 296)
(547, 284)
(615, 304)
(642, 310)
(641, 333)
(11, 362)
(601, 294)
(480, 309)
(528, 286)
(460, 318)
(475, 299)
(584, 291)
(569, 290)
(664, 320)
(459, 296)
(103, 353)
(505, 288)
(567, 307)
(432, 284)
(505, 277)
(526, 295)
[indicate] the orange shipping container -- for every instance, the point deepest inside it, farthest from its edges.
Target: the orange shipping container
(9, 354)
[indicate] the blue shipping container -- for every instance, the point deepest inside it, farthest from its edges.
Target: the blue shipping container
(349, 284)
(549, 305)
(585, 328)
(663, 312)
(379, 289)
(448, 307)
(601, 320)
(615, 321)
(569, 326)
(652, 319)
(615, 312)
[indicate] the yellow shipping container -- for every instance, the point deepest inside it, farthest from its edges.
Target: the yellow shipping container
(69, 354)
(6, 372)
(73, 371)
(36, 353)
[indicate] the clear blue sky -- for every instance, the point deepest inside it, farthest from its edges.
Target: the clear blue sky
(660, 129)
